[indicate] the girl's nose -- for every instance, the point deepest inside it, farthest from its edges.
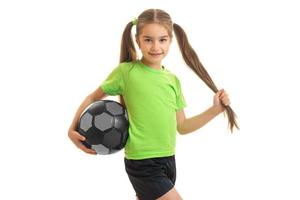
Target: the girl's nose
(155, 46)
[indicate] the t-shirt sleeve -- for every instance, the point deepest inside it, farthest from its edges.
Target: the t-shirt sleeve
(114, 83)
(180, 101)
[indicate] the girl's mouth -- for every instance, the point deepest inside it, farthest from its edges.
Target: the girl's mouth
(155, 54)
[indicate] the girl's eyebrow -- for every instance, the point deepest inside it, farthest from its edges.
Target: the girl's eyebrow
(164, 36)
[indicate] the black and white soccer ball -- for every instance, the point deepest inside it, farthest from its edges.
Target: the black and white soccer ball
(104, 124)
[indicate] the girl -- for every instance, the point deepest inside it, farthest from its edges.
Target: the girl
(155, 104)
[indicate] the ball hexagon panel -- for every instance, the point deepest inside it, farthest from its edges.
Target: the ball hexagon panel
(97, 108)
(86, 121)
(121, 123)
(100, 149)
(114, 109)
(104, 121)
(124, 138)
(94, 136)
(112, 139)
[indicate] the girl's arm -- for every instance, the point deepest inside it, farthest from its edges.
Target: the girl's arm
(185, 126)
(75, 137)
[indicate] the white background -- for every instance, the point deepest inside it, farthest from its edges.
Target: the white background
(54, 53)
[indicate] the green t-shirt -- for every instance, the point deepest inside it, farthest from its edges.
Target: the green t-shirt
(152, 97)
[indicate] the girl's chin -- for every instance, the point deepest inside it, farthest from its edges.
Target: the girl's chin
(156, 57)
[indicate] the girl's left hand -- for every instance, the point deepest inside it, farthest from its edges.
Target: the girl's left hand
(221, 100)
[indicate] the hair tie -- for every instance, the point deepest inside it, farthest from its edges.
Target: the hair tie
(134, 21)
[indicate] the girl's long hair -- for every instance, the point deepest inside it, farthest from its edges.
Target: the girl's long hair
(128, 52)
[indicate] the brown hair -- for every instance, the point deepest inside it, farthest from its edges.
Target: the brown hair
(128, 52)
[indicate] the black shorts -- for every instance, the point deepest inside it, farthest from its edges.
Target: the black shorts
(151, 178)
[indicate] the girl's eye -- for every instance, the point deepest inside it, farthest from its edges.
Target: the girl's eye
(149, 40)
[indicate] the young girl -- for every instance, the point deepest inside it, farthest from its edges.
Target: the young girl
(155, 102)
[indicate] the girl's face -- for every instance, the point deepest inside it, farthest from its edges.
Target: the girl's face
(154, 42)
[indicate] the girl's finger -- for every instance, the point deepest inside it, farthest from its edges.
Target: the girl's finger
(79, 136)
(224, 98)
(90, 151)
(86, 150)
(224, 94)
(218, 94)
(226, 102)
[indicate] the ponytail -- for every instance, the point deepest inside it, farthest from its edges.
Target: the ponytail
(191, 59)
(128, 52)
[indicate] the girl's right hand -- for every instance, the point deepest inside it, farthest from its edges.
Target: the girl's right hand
(77, 139)
(221, 100)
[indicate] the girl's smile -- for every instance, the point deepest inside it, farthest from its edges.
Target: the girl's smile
(156, 55)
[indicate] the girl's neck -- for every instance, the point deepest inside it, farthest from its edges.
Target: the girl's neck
(150, 64)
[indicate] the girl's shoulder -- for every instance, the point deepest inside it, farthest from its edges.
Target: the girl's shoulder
(123, 67)
(127, 65)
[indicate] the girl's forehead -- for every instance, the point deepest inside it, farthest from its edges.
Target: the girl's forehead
(153, 30)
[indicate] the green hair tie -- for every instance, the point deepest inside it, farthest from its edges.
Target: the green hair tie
(134, 21)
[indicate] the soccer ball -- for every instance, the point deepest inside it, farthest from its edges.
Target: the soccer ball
(104, 124)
